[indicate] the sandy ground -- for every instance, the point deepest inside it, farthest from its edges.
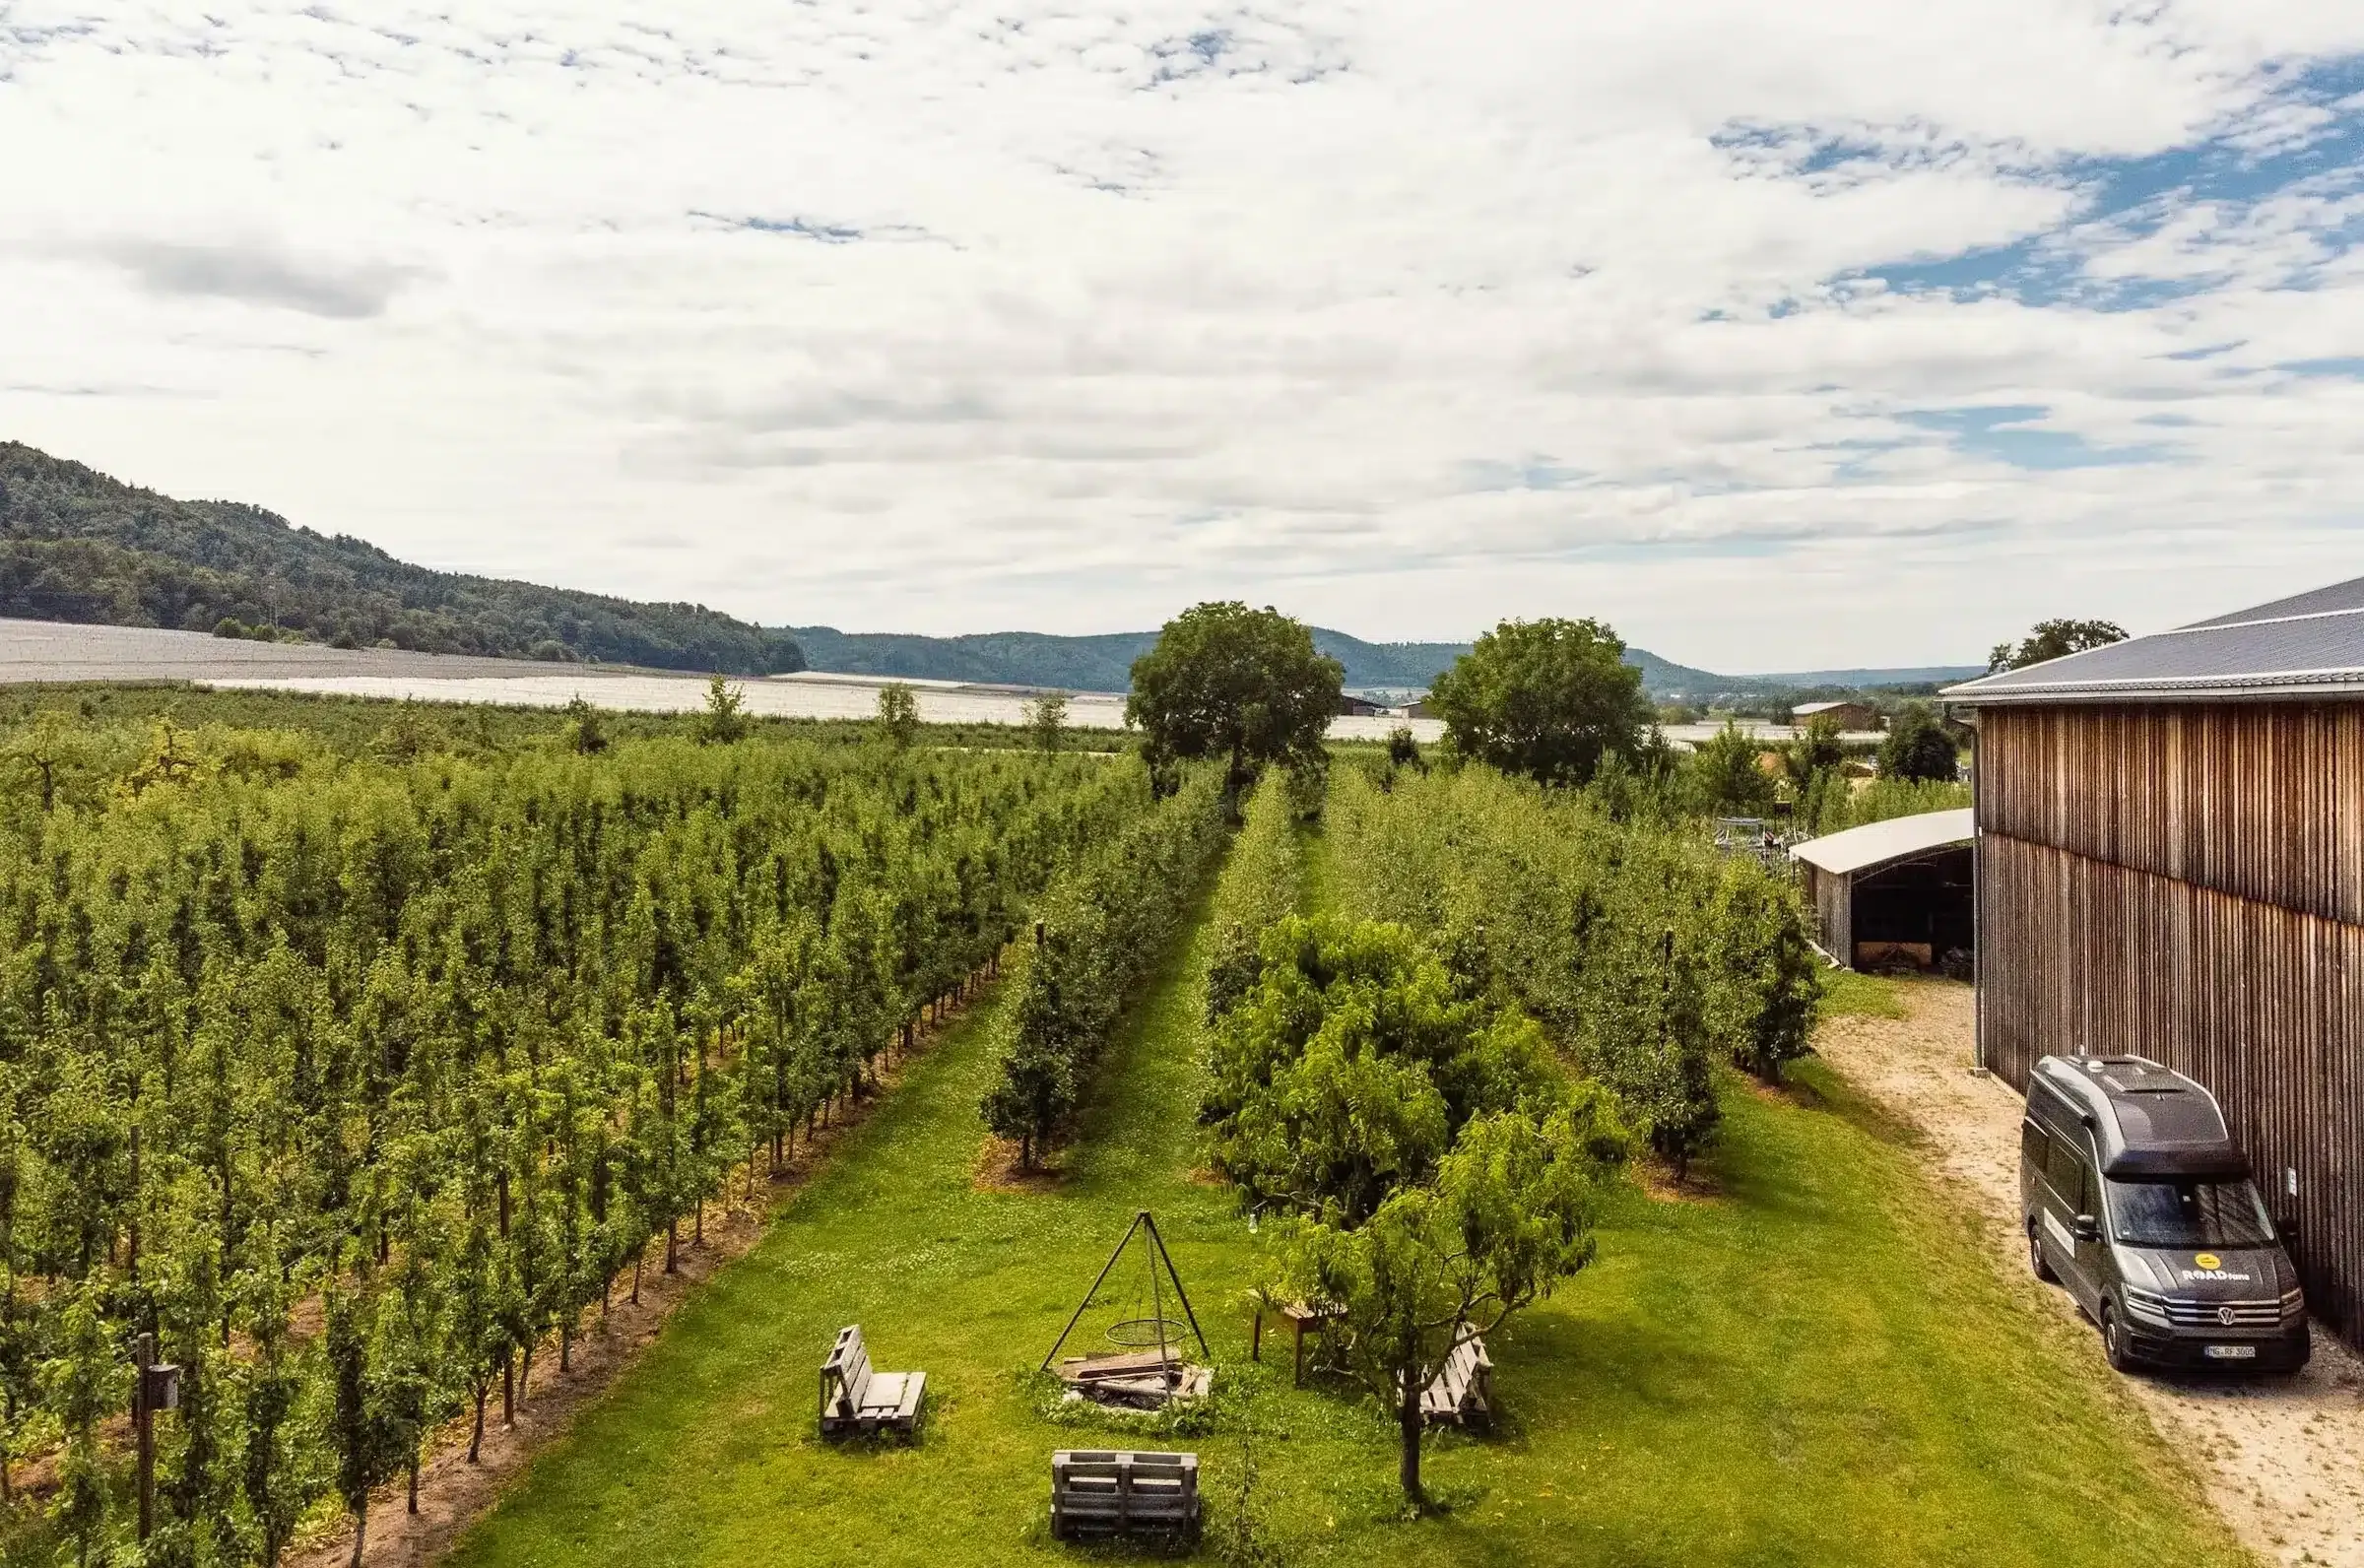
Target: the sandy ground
(2282, 1458)
(453, 1493)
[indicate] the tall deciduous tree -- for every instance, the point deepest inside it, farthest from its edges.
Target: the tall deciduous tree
(1247, 686)
(1726, 775)
(2054, 639)
(724, 719)
(1917, 748)
(1548, 698)
(898, 713)
(1045, 720)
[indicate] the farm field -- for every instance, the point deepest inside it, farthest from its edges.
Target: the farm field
(1809, 1360)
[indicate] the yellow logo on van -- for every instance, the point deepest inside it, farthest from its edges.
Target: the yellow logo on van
(2208, 1259)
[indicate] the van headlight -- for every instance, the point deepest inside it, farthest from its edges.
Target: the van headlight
(2294, 1304)
(2152, 1309)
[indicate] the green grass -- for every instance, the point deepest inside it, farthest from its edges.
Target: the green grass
(1817, 1366)
(1848, 993)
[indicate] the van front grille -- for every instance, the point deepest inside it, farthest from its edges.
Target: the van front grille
(2224, 1314)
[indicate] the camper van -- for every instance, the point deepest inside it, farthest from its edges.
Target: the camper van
(2136, 1201)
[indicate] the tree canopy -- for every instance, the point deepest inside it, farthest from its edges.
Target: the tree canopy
(1508, 1216)
(1548, 698)
(1919, 748)
(2054, 639)
(1243, 685)
(1351, 1062)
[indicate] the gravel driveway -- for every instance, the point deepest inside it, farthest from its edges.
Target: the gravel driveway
(2282, 1458)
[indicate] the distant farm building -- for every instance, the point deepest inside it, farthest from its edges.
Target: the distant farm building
(1846, 715)
(2171, 862)
(1895, 892)
(1352, 706)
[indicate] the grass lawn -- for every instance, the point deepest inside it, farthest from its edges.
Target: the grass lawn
(1817, 1366)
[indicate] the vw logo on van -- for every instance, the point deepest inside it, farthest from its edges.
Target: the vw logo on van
(2224, 1315)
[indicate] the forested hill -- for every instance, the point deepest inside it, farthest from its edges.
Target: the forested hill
(1104, 663)
(78, 546)
(1084, 663)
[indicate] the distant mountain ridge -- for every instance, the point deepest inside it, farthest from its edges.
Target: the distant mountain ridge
(81, 548)
(1104, 663)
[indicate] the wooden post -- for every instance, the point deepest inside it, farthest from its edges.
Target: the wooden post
(143, 1418)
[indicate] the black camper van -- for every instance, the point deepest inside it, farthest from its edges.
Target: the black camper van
(2134, 1199)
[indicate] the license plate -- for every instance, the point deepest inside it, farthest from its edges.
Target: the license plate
(2231, 1352)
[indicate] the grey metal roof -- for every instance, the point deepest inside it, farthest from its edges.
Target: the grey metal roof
(2309, 645)
(1883, 843)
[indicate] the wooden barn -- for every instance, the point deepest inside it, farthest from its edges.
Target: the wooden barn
(2171, 863)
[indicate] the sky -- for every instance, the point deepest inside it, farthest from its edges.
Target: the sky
(1778, 335)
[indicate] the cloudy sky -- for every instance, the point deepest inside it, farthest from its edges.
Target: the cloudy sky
(1777, 334)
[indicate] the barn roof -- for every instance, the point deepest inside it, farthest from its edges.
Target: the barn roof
(2309, 645)
(1878, 844)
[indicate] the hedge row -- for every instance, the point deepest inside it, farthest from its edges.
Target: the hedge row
(1259, 886)
(1097, 930)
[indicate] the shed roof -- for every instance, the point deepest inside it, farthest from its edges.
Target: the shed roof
(2309, 645)
(1884, 843)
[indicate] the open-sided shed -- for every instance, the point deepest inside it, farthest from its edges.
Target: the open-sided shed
(1896, 891)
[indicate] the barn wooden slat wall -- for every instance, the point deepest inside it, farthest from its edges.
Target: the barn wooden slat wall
(2186, 884)
(2266, 800)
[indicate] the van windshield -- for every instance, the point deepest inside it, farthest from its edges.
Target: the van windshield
(2187, 1213)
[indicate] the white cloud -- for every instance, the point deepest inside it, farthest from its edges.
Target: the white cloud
(948, 316)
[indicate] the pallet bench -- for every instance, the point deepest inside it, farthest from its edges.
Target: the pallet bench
(1463, 1392)
(854, 1399)
(1099, 1492)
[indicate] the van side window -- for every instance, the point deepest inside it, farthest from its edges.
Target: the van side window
(2068, 1171)
(2034, 1146)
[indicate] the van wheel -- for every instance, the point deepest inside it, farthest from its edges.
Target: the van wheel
(2113, 1342)
(2035, 1256)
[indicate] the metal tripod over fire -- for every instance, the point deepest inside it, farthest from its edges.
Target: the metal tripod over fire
(1146, 1370)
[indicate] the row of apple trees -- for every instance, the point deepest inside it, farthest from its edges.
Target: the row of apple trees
(361, 1084)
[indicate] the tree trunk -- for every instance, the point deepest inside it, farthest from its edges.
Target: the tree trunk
(673, 1246)
(639, 1258)
(525, 1371)
(410, 1504)
(360, 1533)
(476, 1439)
(1408, 1417)
(508, 1388)
(566, 1346)
(697, 1225)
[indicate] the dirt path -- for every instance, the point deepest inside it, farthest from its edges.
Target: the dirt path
(2282, 1458)
(453, 1493)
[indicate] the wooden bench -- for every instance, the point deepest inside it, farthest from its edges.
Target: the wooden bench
(854, 1399)
(1097, 1492)
(1463, 1392)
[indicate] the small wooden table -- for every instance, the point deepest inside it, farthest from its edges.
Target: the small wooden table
(1299, 1317)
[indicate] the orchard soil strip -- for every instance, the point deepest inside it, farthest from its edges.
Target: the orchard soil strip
(454, 1494)
(2282, 1459)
